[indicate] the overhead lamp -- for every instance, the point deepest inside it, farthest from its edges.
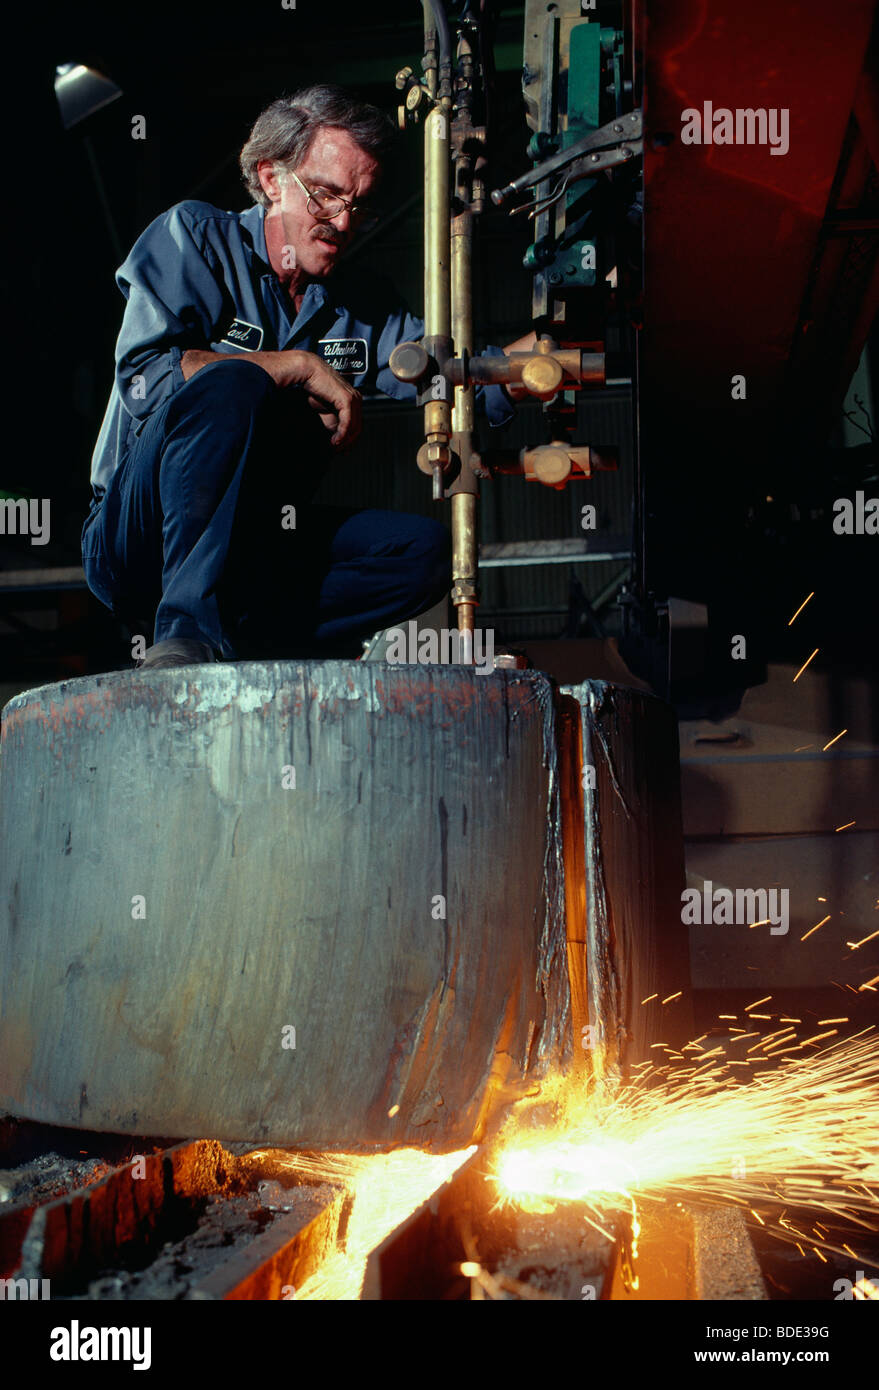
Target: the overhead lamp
(80, 91)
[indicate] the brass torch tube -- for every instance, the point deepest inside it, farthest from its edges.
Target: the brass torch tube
(437, 280)
(464, 492)
(464, 554)
(437, 308)
(462, 316)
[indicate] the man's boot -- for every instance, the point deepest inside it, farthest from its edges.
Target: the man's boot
(175, 651)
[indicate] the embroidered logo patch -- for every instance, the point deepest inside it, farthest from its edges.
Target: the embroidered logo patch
(244, 335)
(345, 355)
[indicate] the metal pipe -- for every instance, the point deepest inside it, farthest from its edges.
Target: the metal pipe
(437, 289)
(440, 20)
(465, 551)
(464, 559)
(437, 229)
(462, 319)
(578, 367)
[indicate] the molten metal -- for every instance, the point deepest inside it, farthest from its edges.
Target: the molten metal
(803, 1138)
(387, 1188)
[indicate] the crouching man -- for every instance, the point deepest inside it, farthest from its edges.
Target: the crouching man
(244, 344)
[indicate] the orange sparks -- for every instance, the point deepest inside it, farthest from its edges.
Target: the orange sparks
(805, 664)
(847, 826)
(855, 944)
(833, 740)
(678, 995)
(800, 609)
(816, 926)
(717, 1134)
(765, 1000)
(649, 997)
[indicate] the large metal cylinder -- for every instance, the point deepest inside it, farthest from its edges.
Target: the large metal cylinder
(332, 905)
(315, 904)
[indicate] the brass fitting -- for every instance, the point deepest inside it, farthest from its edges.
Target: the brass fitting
(550, 464)
(434, 454)
(542, 375)
(463, 591)
(409, 362)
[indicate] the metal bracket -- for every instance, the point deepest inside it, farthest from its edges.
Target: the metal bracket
(615, 143)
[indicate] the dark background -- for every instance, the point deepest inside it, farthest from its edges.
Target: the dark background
(736, 506)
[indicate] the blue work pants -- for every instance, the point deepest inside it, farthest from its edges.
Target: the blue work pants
(190, 532)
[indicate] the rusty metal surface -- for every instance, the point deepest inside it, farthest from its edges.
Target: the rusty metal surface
(724, 1261)
(624, 849)
(691, 1253)
(195, 1221)
(270, 908)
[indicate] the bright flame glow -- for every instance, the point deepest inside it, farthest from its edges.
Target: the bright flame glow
(865, 1289)
(804, 1137)
(386, 1189)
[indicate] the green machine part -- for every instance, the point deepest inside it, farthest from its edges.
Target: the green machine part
(572, 259)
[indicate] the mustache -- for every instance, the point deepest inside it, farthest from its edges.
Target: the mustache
(330, 234)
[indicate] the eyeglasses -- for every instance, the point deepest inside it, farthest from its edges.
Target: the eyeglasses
(323, 206)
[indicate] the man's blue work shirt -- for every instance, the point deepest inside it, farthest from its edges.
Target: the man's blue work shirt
(199, 277)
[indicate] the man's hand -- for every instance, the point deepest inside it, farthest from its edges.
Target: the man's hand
(326, 388)
(339, 404)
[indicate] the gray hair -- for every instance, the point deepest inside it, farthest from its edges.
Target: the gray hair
(284, 131)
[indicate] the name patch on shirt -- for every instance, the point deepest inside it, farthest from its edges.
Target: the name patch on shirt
(344, 355)
(244, 335)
